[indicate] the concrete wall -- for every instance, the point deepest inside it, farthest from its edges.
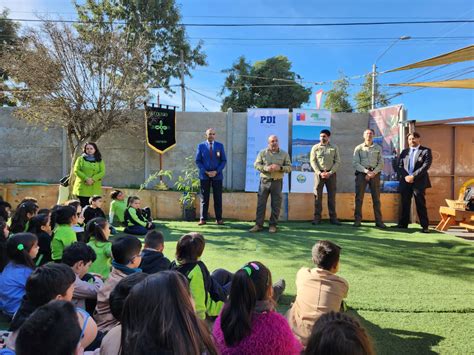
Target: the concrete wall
(30, 153)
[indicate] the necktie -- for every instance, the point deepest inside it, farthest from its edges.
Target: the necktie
(410, 161)
(210, 149)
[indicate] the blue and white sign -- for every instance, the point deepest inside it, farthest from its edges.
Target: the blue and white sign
(262, 123)
(307, 124)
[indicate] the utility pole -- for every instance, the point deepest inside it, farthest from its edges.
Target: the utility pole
(183, 88)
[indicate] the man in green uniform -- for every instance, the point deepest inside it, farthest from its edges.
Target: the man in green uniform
(325, 160)
(272, 163)
(368, 163)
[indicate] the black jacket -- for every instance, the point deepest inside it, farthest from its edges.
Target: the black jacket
(423, 159)
(154, 261)
(91, 213)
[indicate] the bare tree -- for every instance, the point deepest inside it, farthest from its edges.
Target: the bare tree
(87, 83)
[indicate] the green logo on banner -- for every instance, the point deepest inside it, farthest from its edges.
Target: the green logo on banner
(162, 128)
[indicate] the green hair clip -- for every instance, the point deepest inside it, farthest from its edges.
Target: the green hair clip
(20, 247)
(248, 270)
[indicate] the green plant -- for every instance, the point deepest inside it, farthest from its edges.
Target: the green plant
(188, 183)
(157, 175)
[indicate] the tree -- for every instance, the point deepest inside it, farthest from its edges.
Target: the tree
(158, 22)
(8, 38)
(337, 99)
(364, 97)
(86, 85)
(267, 83)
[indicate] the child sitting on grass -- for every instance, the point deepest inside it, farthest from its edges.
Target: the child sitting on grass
(40, 225)
(50, 282)
(117, 208)
(136, 221)
(93, 209)
(338, 333)
(79, 256)
(318, 290)
(153, 259)
(209, 291)
(98, 233)
(53, 329)
(21, 250)
(21, 218)
(63, 235)
(126, 259)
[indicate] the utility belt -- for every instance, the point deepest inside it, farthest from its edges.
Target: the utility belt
(265, 179)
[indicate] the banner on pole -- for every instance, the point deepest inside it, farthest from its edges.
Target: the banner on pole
(160, 128)
(384, 121)
(307, 124)
(319, 96)
(262, 123)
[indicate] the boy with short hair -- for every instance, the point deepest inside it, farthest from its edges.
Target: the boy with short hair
(318, 290)
(79, 256)
(153, 259)
(126, 260)
(93, 209)
(51, 281)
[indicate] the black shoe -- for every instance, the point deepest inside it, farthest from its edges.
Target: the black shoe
(399, 226)
(357, 224)
(381, 225)
(315, 222)
(278, 288)
(425, 230)
(335, 222)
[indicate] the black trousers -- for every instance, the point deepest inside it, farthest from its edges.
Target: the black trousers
(84, 200)
(407, 191)
(216, 193)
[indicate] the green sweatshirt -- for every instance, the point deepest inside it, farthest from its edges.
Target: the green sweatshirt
(103, 262)
(117, 211)
(196, 285)
(134, 216)
(63, 236)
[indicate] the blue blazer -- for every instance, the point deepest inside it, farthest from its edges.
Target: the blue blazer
(205, 163)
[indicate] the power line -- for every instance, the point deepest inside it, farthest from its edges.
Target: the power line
(327, 39)
(207, 97)
(328, 24)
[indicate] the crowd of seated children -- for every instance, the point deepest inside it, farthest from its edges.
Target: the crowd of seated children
(126, 259)
(97, 234)
(318, 290)
(153, 259)
(21, 250)
(79, 256)
(137, 221)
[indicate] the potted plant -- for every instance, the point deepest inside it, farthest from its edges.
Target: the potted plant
(188, 183)
(158, 175)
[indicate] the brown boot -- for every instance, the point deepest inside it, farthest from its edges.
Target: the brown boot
(256, 228)
(272, 229)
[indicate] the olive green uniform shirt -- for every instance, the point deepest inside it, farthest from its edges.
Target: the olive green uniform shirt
(368, 157)
(266, 158)
(325, 157)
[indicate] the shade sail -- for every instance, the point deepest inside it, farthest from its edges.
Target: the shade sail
(454, 84)
(459, 55)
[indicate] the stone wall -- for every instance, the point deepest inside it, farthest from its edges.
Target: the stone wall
(32, 153)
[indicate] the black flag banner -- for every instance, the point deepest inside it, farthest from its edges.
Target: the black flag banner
(160, 128)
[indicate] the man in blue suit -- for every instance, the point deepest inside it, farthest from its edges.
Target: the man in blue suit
(211, 160)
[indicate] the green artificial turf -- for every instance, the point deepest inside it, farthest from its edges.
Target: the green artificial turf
(413, 292)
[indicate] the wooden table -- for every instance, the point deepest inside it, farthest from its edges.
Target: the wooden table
(452, 217)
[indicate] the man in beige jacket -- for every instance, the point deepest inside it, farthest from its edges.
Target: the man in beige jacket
(318, 290)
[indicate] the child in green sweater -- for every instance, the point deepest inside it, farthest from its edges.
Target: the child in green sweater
(63, 235)
(136, 221)
(117, 208)
(98, 233)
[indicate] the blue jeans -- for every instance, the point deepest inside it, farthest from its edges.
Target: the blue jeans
(138, 230)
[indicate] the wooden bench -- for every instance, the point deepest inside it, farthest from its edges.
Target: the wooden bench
(451, 217)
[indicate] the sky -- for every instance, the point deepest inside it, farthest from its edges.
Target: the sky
(319, 54)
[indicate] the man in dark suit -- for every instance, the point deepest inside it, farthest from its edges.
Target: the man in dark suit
(211, 160)
(413, 166)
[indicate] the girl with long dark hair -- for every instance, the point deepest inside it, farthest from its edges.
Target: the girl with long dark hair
(40, 225)
(159, 318)
(98, 233)
(23, 213)
(248, 323)
(89, 169)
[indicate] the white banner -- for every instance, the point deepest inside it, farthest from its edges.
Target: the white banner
(262, 123)
(307, 124)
